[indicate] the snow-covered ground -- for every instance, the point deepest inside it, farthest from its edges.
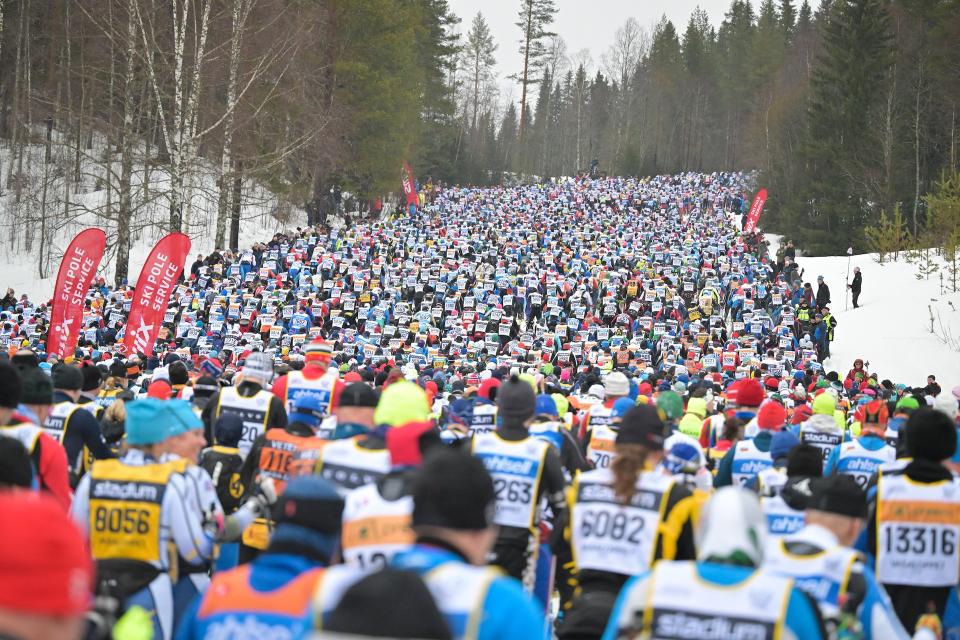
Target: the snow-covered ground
(891, 328)
(71, 207)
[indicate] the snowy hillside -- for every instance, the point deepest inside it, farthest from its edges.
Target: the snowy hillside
(69, 207)
(891, 328)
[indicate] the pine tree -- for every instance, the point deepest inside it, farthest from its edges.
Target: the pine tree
(534, 18)
(886, 237)
(848, 88)
(479, 60)
(788, 18)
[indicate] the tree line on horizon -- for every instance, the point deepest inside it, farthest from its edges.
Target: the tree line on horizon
(847, 109)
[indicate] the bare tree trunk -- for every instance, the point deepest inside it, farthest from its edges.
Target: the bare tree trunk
(916, 147)
(241, 9)
(41, 267)
(953, 137)
(235, 214)
(17, 82)
(888, 139)
(527, 43)
(125, 208)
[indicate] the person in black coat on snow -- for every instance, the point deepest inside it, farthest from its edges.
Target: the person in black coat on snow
(855, 286)
(823, 293)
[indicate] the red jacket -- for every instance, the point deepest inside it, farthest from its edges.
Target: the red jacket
(311, 372)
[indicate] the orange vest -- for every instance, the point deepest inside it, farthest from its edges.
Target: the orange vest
(230, 591)
(281, 456)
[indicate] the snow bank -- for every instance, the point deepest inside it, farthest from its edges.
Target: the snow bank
(891, 328)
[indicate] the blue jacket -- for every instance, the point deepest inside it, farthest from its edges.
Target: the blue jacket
(869, 442)
(506, 611)
(801, 617)
(268, 573)
(725, 469)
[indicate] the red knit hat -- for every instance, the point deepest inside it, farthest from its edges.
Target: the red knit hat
(160, 389)
(487, 387)
(318, 351)
(352, 376)
(644, 389)
(45, 568)
(403, 442)
(771, 416)
(801, 413)
(750, 393)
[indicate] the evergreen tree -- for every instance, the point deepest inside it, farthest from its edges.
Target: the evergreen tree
(437, 49)
(535, 17)
(479, 60)
(379, 81)
(788, 18)
(848, 86)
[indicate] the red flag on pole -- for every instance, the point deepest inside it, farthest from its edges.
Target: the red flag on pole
(409, 186)
(77, 268)
(157, 279)
(755, 210)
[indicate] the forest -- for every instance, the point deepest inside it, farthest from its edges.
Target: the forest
(847, 110)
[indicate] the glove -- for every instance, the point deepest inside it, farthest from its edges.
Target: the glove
(264, 497)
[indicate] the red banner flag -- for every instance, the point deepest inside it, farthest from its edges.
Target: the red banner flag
(157, 279)
(755, 210)
(409, 186)
(77, 268)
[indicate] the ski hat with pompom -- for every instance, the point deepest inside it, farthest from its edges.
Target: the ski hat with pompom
(516, 399)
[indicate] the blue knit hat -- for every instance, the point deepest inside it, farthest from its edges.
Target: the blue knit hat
(782, 443)
(308, 515)
(182, 417)
(546, 405)
(148, 422)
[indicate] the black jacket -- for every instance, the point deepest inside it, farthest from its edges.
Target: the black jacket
(857, 282)
(823, 295)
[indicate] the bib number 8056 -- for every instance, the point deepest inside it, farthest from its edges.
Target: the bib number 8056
(121, 520)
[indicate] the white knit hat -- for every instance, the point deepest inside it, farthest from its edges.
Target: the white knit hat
(258, 367)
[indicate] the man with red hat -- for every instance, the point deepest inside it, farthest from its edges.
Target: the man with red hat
(862, 456)
(45, 571)
(317, 379)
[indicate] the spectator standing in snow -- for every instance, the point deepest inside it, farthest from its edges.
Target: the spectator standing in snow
(855, 286)
(823, 293)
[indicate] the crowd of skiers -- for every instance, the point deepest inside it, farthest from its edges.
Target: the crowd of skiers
(599, 387)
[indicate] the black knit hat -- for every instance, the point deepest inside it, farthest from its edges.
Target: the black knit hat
(177, 371)
(804, 460)
(67, 377)
(25, 358)
(931, 435)
(37, 387)
(516, 399)
(10, 386)
(359, 394)
(92, 377)
(118, 369)
(404, 608)
(642, 425)
(839, 494)
(454, 491)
